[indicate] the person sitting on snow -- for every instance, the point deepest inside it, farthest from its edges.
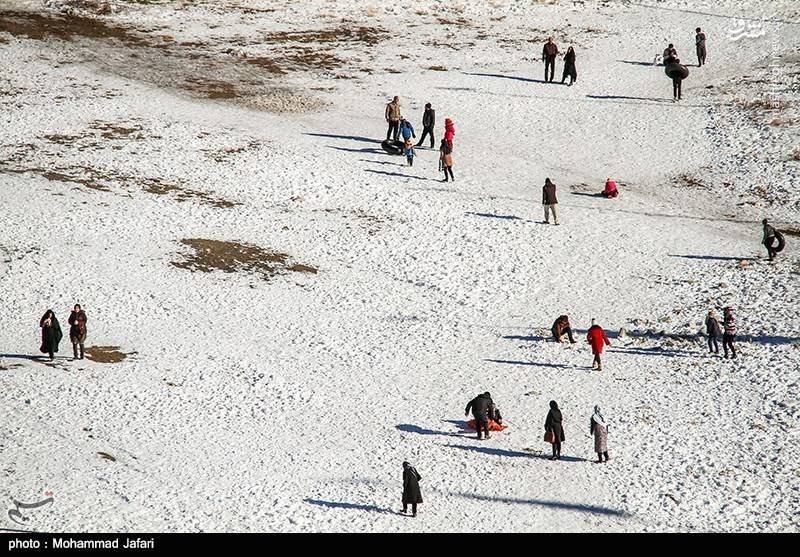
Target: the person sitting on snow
(611, 189)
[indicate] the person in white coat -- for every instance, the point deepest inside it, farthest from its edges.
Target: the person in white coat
(599, 428)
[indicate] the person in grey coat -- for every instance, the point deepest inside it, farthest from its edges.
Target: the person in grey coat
(714, 331)
(700, 44)
(411, 492)
(599, 428)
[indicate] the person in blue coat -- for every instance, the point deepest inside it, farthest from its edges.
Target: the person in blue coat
(407, 130)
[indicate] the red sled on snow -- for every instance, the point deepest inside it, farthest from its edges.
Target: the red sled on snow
(493, 425)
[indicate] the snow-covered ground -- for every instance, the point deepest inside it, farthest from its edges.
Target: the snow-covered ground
(259, 401)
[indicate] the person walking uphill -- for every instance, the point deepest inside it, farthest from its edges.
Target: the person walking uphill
(700, 44)
(411, 492)
(393, 117)
(713, 331)
(481, 405)
(599, 428)
(51, 333)
(554, 430)
(77, 330)
(549, 53)
(598, 339)
(446, 159)
(729, 334)
(428, 121)
(569, 67)
(549, 201)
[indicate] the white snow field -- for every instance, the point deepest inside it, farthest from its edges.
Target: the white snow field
(154, 154)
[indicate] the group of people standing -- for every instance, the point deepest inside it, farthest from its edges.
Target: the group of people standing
(677, 71)
(398, 126)
(51, 332)
(549, 53)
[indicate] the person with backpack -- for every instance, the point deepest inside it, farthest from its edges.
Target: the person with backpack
(598, 339)
(599, 428)
(569, 68)
(446, 159)
(729, 332)
(700, 45)
(481, 406)
(549, 201)
(393, 117)
(554, 429)
(769, 237)
(561, 327)
(549, 53)
(51, 334)
(428, 121)
(411, 492)
(77, 330)
(713, 331)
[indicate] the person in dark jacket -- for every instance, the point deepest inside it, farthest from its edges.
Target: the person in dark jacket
(411, 492)
(677, 82)
(77, 330)
(713, 331)
(51, 333)
(553, 424)
(569, 67)
(446, 159)
(549, 53)
(549, 201)
(729, 332)
(768, 239)
(700, 44)
(670, 54)
(482, 406)
(562, 327)
(428, 121)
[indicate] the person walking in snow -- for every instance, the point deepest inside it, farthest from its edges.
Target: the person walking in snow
(481, 406)
(549, 53)
(700, 45)
(598, 339)
(393, 117)
(77, 330)
(610, 190)
(407, 130)
(599, 428)
(408, 150)
(554, 430)
(562, 327)
(446, 159)
(411, 492)
(428, 121)
(769, 238)
(677, 80)
(569, 68)
(549, 201)
(713, 331)
(729, 332)
(449, 132)
(51, 334)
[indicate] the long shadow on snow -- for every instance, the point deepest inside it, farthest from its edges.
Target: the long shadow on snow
(536, 364)
(490, 215)
(714, 257)
(491, 451)
(382, 162)
(352, 506)
(526, 338)
(411, 428)
(365, 150)
(351, 137)
(624, 98)
(593, 509)
(656, 351)
(637, 63)
(514, 77)
(397, 174)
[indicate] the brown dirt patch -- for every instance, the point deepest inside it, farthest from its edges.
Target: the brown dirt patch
(106, 354)
(366, 35)
(790, 231)
(181, 194)
(690, 181)
(437, 68)
(235, 257)
(64, 27)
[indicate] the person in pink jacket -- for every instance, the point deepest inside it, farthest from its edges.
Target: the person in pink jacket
(598, 339)
(611, 189)
(449, 131)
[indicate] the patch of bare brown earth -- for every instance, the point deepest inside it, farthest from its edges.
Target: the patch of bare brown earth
(106, 354)
(235, 257)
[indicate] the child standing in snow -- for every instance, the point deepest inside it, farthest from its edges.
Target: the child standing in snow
(408, 149)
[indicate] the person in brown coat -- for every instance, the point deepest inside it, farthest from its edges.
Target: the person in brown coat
(77, 330)
(393, 117)
(553, 425)
(446, 159)
(549, 201)
(549, 53)
(562, 327)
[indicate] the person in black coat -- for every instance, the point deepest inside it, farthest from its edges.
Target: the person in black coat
(51, 333)
(569, 67)
(481, 405)
(713, 330)
(553, 424)
(411, 493)
(428, 121)
(77, 330)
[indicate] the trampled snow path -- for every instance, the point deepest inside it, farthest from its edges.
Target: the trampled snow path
(289, 404)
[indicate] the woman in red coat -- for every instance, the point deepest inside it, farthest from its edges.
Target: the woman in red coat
(611, 189)
(598, 339)
(449, 132)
